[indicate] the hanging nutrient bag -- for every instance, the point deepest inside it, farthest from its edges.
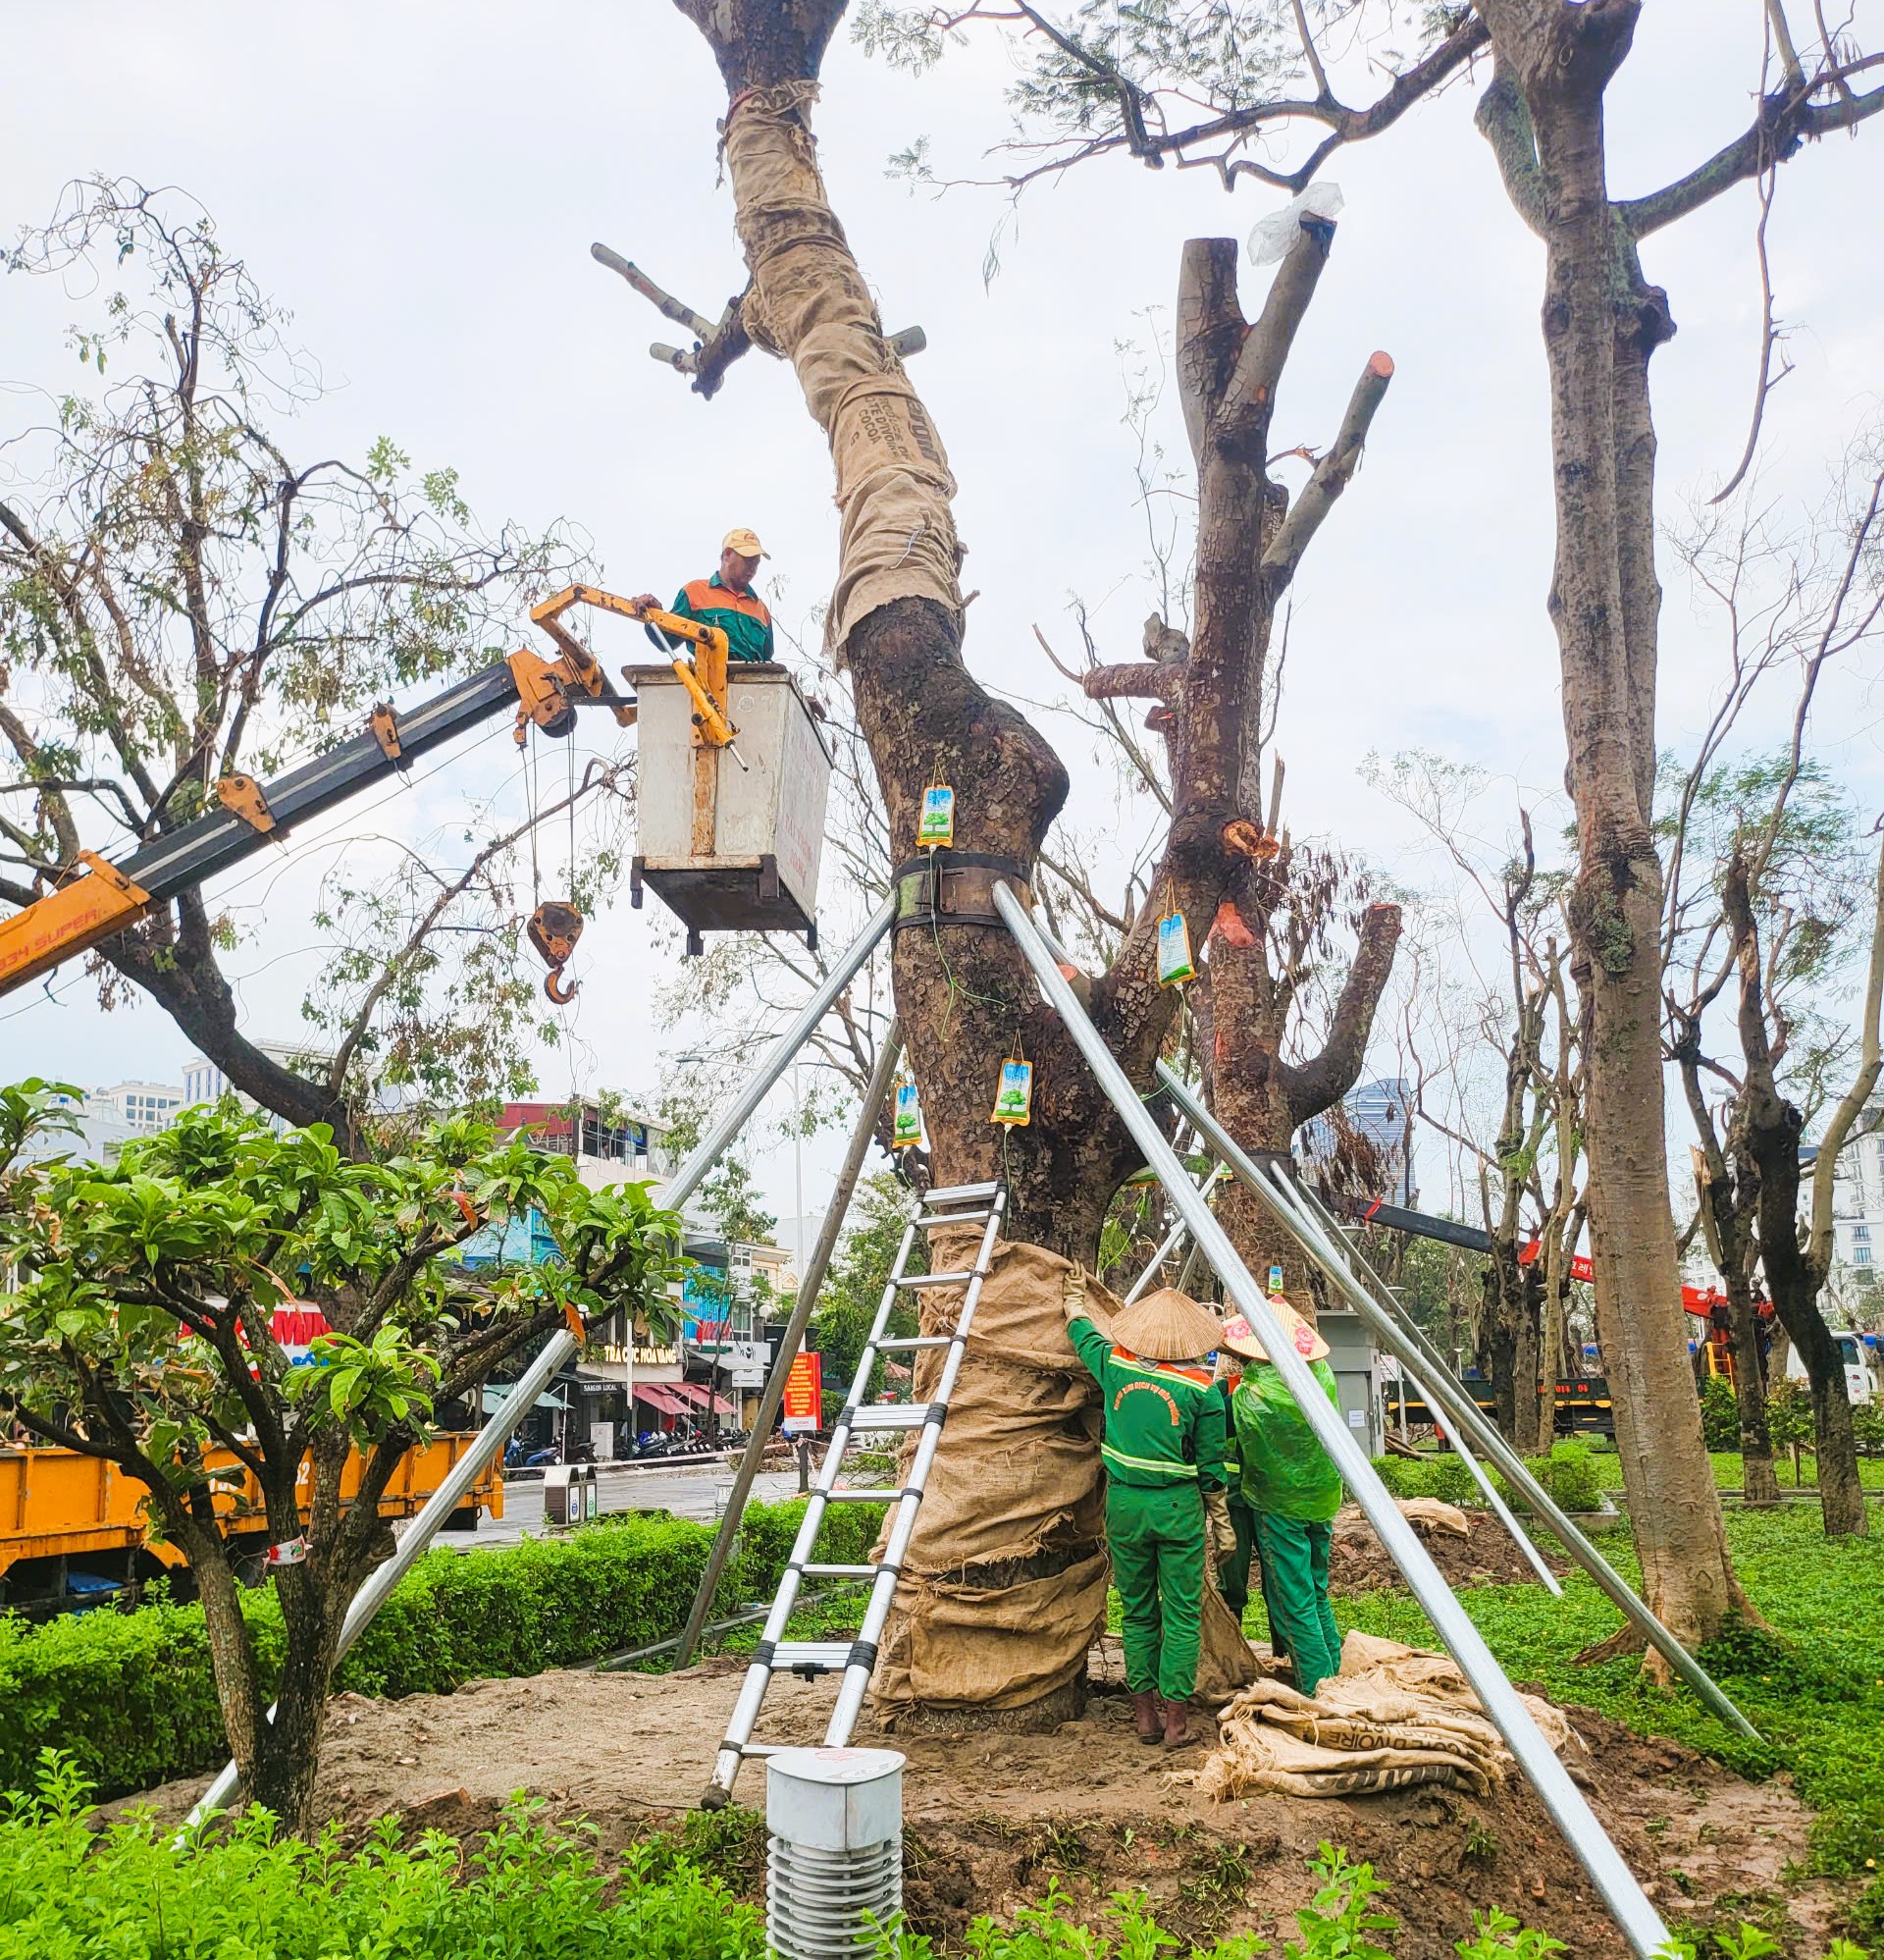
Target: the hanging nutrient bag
(935, 826)
(1174, 962)
(906, 1124)
(1014, 1098)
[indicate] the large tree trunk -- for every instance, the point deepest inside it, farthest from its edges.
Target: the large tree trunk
(1599, 327)
(1769, 1132)
(1794, 1284)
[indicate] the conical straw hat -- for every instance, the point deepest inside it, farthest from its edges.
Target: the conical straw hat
(1165, 1326)
(1241, 1337)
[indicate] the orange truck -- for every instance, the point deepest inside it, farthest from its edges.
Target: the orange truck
(75, 1530)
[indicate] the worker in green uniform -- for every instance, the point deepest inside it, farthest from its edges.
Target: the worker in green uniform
(1233, 1566)
(1294, 1491)
(1164, 1456)
(726, 599)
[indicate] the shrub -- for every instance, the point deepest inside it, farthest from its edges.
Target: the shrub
(1867, 1428)
(132, 1697)
(1719, 1414)
(524, 1889)
(1569, 1476)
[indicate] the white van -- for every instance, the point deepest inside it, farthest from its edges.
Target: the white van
(1859, 1382)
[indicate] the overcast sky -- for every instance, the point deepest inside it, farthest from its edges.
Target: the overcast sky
(420, 183)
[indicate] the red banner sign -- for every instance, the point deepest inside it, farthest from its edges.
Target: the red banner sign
(804, 1403)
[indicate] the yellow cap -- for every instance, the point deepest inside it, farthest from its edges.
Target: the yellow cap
(745, 543)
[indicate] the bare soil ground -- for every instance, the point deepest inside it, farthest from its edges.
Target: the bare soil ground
(1487, 1555)
(992, 1819)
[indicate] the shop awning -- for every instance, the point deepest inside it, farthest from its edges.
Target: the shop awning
(495, 1393)
(704, 1398)
(661, 1395)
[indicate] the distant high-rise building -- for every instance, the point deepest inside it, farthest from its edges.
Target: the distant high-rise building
(204, 1082)
(1380, 1112)
(147, 1107)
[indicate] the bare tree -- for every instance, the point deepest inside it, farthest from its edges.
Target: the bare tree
(1523, 1142)
(180, 600)
(1766, 885)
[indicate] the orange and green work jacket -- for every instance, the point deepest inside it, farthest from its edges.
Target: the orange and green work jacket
(1164, 1421)
(740, 615)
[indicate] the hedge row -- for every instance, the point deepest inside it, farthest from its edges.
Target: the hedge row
(132, 1699)
(1567, 1475)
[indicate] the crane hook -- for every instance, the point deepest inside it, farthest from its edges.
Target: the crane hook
(554, 929)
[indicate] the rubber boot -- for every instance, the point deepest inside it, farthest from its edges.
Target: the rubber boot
(1148, 1719)
(1179, 1733)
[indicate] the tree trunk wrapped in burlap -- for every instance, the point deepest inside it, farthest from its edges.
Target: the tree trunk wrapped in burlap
(1002, 1591)
(810, 301)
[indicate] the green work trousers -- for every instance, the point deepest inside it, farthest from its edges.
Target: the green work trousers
(1233, 1575)
(1157, 1539)
(1301, 1621)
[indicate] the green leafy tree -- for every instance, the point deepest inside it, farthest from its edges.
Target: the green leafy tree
(183, 599)
(853, 1286)
(138, 1331)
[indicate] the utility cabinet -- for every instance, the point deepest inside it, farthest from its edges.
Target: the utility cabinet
(731, 849)
(1353, 1358)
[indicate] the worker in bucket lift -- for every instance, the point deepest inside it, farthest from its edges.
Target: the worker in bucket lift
(1164, 1458)
(1294, 1491)
(726, 599)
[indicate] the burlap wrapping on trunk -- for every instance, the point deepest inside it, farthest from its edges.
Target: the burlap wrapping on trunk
(1003, 1584)
(809, 300)
(1393, 1716)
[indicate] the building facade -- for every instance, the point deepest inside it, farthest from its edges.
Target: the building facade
(1858, 1199)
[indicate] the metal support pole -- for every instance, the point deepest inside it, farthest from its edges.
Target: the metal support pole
(803, 1307)
(492, 1438)
(1303, 1216)
(1173, 1240)
(1641, 1924)
(1502, 1511)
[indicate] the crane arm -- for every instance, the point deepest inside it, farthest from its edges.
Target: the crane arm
(100, 899)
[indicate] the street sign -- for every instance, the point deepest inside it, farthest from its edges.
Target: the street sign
(805, 1396)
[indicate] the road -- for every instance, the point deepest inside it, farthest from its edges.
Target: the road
(689, 1490)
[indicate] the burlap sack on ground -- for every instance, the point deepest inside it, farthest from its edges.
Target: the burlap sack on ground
(897, 536)
(1435, 1515)
(1393, 1716)
(1003, 1583)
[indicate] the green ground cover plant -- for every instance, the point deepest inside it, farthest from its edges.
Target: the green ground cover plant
(1814, 1685)
(132, 1699)
(1573, 1475)
(523, 1891)
(527, 1890)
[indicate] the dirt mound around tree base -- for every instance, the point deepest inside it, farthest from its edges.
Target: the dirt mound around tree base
(1358, 1563)
(992, 1819)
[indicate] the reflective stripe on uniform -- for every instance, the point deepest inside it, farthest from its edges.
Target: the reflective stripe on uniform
(1164, 1467)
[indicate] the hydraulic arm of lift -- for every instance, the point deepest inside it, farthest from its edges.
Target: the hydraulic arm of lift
(99, 899)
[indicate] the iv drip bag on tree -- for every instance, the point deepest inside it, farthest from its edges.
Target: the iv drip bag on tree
(1270, 238)
(1013, 1099)
(936, 825)
(906, 1127)
(1174, 962)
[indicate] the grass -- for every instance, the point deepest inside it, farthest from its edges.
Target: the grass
(1814, 1686)
(1728, 1474)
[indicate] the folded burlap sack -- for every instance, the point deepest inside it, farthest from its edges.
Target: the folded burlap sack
(1394, 1715)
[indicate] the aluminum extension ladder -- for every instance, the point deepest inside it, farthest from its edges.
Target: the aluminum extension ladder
(855, 1658)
